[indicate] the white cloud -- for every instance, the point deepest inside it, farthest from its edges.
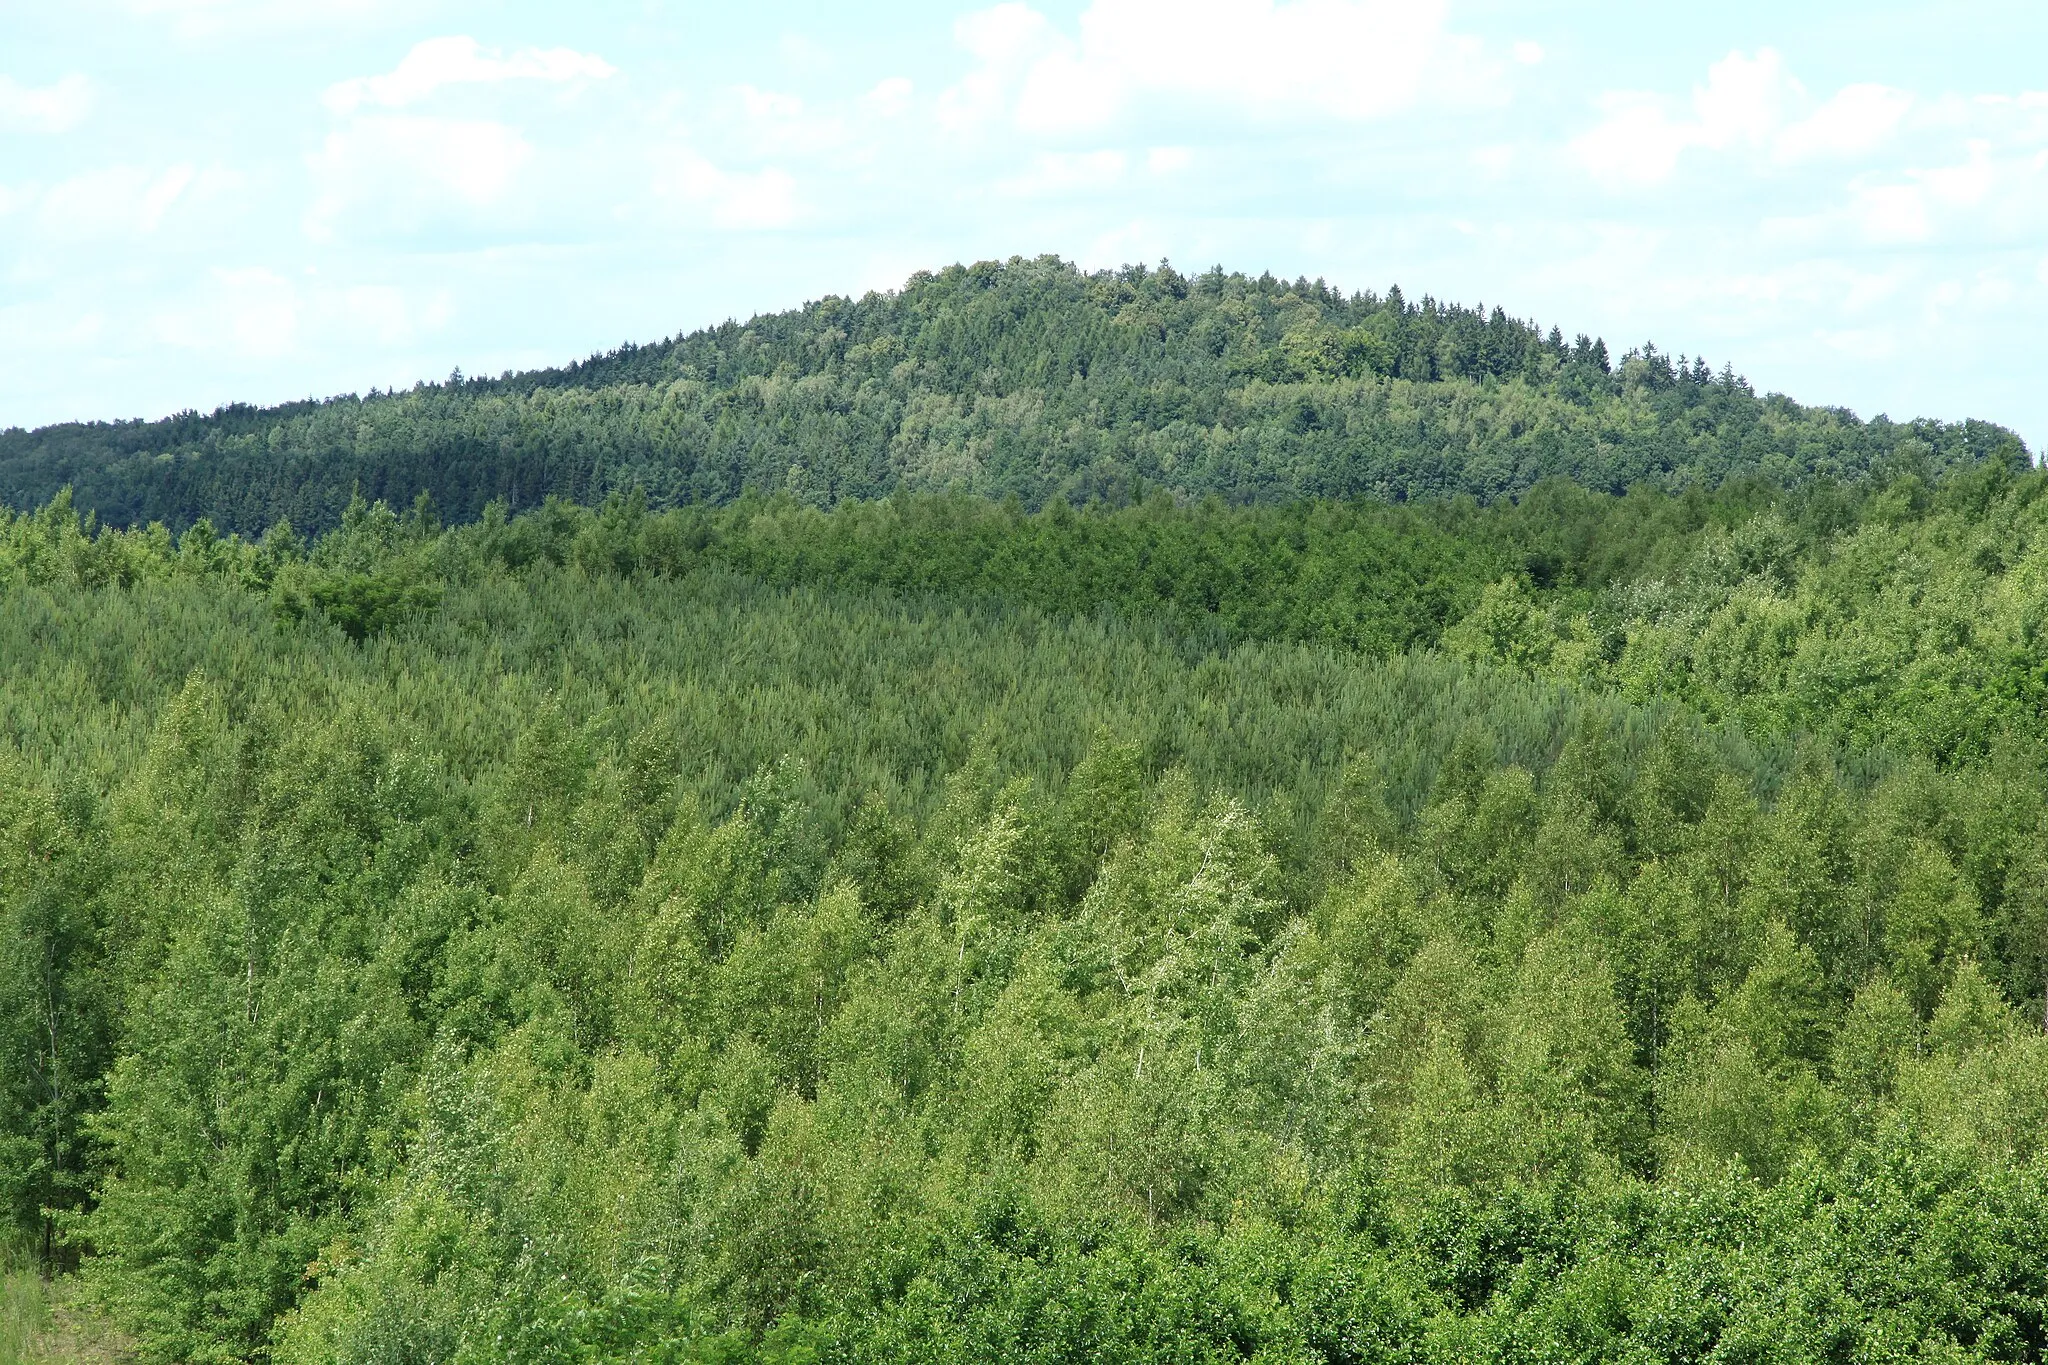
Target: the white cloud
(440, 62)
(1004, 34)
(1343, 59)
(259, 313)
(1003, 40)
(1138, 240)
(158, 198)
(110, 203)
(388, 316)
(1063, 93)
(38, 330)
(1966, 185)
(411, 167)
(1636, 143)
(1993, 289)
(1528, 54)
(380, 311)
(1943, 297)
(253, 312)
(261, 310)
(1753, 104)
(1892, 214)
(1312, 53)
(1857, 121)
(1639, 142)
(1986, 196)
(769, 104)
(84, 331)
(890, 98)
(1743, 100)
(44, 109)
(269, 9)
(803, 53)
(1169, 160)
(762, 200)
(1860, 343)
(1496, 160)
(1061, 173)
(1932, 203)
(1865, 291)
(193, 19)
(766, 125)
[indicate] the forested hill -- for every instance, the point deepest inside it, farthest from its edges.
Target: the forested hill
(1030, 378)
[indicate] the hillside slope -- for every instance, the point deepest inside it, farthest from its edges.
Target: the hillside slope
(1030, 379)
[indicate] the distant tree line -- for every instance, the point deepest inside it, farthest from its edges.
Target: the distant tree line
(1026, 379)
(1901, 613)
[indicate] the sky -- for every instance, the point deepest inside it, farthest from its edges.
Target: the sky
(205, 201)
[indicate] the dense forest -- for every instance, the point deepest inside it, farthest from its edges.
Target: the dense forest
(1026, 379)
(1604, 923)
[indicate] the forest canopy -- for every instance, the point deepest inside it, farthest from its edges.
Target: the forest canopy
(1587, 925)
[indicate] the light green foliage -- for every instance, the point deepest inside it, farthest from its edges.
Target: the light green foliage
(1506, 626)
(622, 961)
(1914, 627)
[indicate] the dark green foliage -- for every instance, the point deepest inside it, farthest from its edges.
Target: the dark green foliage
(361, 604)
(1028, 379)
(55, 1024)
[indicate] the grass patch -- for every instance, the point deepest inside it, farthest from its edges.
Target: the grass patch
(42, 1322)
